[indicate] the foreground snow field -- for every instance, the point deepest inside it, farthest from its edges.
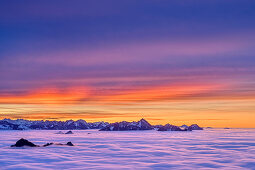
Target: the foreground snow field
(210, 148)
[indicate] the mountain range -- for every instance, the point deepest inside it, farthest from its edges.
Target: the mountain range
(21, 124)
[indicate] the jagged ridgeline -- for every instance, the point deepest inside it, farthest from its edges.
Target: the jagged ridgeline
(21, 124)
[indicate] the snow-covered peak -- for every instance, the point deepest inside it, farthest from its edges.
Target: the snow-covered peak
(121, 126)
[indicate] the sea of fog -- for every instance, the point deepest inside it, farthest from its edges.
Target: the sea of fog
(207, 149)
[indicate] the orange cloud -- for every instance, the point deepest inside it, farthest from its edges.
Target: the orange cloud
(202, 103)
(160, 93)
(48, 96)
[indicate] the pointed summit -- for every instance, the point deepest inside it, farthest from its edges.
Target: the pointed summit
(143, 120)
(144, 125)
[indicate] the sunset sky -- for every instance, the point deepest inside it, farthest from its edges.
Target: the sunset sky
(178, 61)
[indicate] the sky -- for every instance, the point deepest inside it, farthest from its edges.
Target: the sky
(178, 62)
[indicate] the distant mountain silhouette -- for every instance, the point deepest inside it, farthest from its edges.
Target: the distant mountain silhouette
(169, 127)
(121, 126)
(21, 124)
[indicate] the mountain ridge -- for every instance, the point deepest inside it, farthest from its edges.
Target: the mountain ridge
(23, 124)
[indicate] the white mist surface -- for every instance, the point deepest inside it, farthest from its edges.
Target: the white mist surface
(207, 149)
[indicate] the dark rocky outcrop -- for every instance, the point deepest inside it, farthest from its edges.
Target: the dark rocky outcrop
(123, 126)
(47, 144)
(23, 142)
(69, 132)
(69, 144)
